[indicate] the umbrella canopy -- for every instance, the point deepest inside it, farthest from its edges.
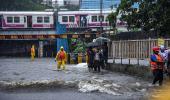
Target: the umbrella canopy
(98, 42)
(93, 44)
(101, 40)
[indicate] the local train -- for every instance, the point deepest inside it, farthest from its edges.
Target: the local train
(38, 20)
(20, 20)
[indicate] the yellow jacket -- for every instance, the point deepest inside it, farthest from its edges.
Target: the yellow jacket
(58, 58)
(33, 51)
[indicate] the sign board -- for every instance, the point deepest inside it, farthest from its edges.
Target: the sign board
(45, 36)
(161, 41)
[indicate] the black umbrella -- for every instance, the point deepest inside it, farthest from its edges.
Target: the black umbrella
(102, 40)
(93, 44)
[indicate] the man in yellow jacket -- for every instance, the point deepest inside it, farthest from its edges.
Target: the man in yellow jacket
(61, 58)
(32, 52)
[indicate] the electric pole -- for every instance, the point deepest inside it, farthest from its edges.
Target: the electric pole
(56, 11)
(101, 16)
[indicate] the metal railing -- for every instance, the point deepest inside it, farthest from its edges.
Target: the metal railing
(139, 49)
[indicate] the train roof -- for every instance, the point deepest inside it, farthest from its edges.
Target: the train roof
(50, 13)
(25, 13)
(84, 12)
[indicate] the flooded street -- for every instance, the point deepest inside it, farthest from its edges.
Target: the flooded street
(128, 39)
(61, 94)
(21, 79)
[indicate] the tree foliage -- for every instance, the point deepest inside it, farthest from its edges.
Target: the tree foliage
(77, 46)
(21, 5)
(112, 19)
(150, 15)
(71, 7)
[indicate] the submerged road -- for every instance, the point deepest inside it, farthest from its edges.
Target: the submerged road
(22, 79)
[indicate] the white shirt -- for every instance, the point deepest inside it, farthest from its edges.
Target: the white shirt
(97, 56)
(164, 55)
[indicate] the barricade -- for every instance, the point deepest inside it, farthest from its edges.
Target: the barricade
(75, 58)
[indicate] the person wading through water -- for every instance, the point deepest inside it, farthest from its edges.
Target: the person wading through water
(61, 58)
(157, 66)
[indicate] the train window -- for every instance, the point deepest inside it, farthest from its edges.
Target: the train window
(16, 20)
(9, 19)
(94, 18)
(101, 18)
(64, 18)
(71, 18)
(46, 20)
(39, 19)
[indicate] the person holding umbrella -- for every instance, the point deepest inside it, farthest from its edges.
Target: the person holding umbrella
(90, 61)
(105, 54)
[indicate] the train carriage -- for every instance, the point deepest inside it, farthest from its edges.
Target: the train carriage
(31, 19)
(83, 19)
(46, 20)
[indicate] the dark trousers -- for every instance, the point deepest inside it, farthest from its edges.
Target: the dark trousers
(158, 76)
(105, 63)
(168, 68)
(97, 65)
(102, 64)
(90, 66)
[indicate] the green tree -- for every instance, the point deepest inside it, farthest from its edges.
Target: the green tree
(71, 7)
(77, 45)
(21, 5)
(128, 13)
(112, 20)
(151, 14)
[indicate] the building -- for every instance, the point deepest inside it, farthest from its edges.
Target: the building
(71, 2)
(95, 4)
(47, 2)
(60, 3)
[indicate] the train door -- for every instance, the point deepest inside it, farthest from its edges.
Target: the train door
(83, 20)
(25, 21)
(29, 21)
(1, 21)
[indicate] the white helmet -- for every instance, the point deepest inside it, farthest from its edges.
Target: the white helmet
(162, 47)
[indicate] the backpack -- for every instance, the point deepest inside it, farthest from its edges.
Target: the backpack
(62, 55)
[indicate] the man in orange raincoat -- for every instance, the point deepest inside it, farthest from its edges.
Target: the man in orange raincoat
(61, 58)
(157, 66)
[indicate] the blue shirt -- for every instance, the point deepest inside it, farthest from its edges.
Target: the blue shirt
(153, 58)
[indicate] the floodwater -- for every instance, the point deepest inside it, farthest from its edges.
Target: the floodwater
(22, 79)
(61, 94)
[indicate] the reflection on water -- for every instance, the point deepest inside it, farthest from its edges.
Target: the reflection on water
(161, 93)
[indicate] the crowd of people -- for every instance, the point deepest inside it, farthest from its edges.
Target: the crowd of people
(160, 64)
(97, 57)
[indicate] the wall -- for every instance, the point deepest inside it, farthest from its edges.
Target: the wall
(143, 72)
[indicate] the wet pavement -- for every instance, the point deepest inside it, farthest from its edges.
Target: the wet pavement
(40, 80)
